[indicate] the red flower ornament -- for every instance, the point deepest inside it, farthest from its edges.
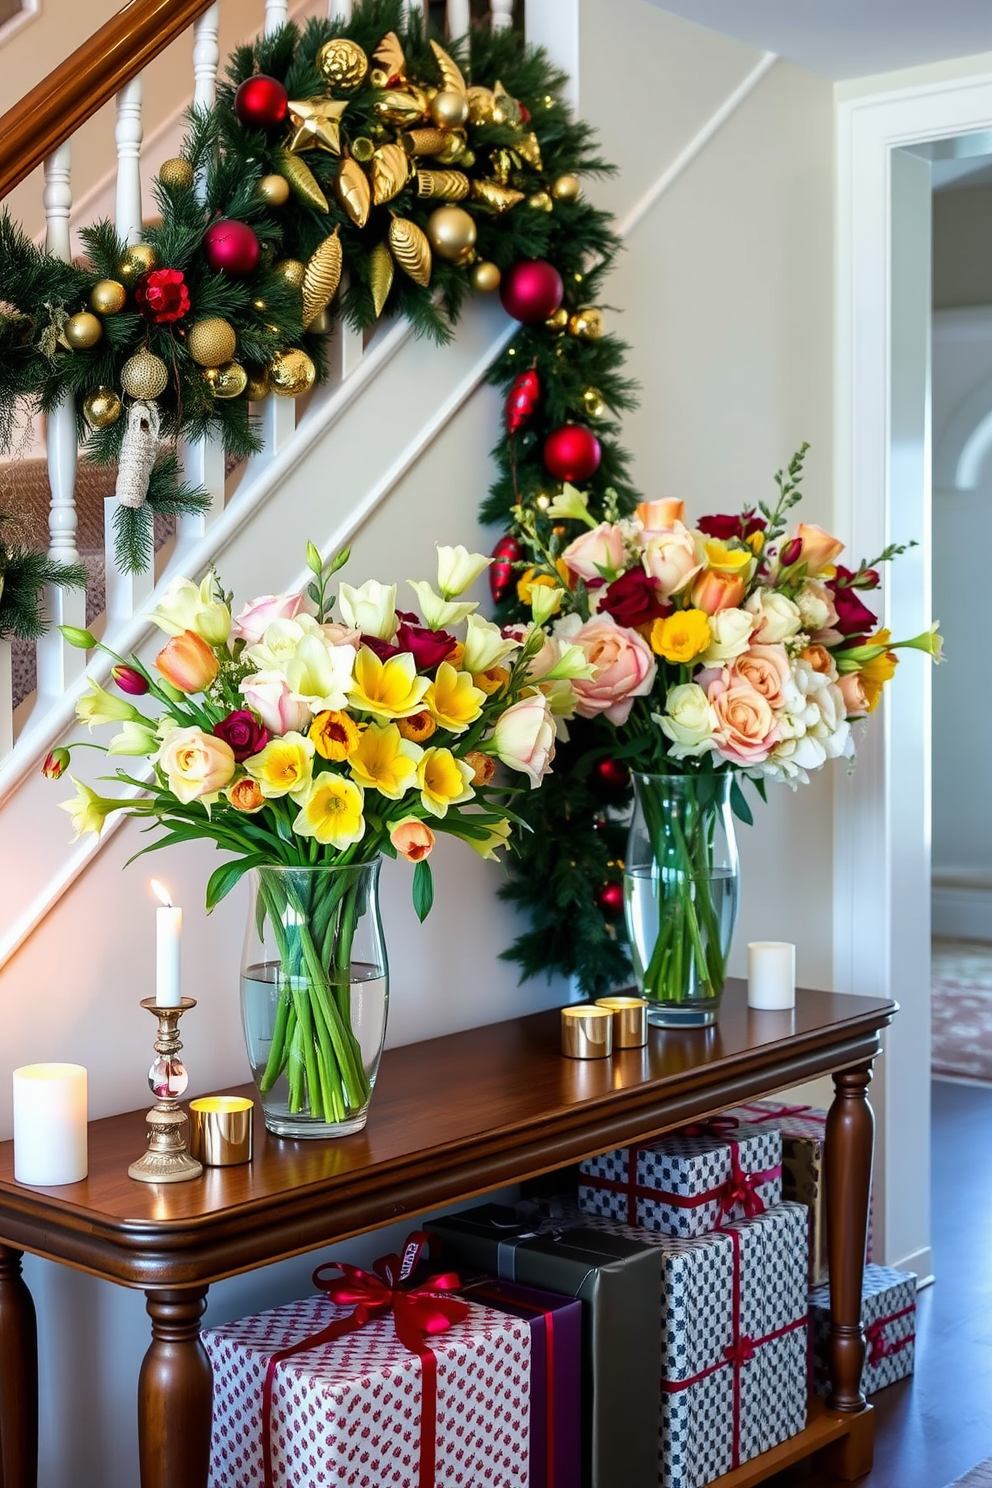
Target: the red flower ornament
(162, 296)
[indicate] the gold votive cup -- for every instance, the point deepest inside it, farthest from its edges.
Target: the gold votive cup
(630, 1020)
(220, 1130)
(586, 1032)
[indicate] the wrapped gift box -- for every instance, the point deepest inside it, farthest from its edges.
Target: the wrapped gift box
(888, 1316)
(616, 1278)
(351, 1411)
(555, 1376)
(687, 1183)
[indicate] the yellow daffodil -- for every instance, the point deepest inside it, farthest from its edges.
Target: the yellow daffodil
(877, 671)
(387, 689)
(531, 579)
(453, 699)
(331, 811)
(89, 811)
(284, 767)
(334, 734)
(418, 727)
(444, 781)
(726, 559)
(497, 836)
(681, 637)
(383, 760)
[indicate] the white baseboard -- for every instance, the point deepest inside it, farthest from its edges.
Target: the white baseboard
(960, 913)
(918, 1261)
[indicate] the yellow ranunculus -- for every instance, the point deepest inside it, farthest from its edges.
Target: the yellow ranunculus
(681, 637)
(284, 767)
(383, 760)
(725, 559)
(453, 700)
(418, 726)
(492, 681)
(331, 811)
(444, 781)
(387, 689)
(334, 734)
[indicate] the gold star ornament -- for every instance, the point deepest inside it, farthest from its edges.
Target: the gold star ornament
(316, 125)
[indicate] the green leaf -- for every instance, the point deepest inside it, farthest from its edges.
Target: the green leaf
(738, 804)
(224, 878)
(313, 592)
(314, 561)
(423, 890)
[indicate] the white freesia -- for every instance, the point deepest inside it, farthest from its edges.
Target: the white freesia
(458, 569)
(545, 602)
(730, 632)
(690, 722)
(571, 505)
(485, 645)
(187, 606)
(814, 727)
(320, 675)
(438, 613)
(776, 616)
(370, 609)
(135, 738)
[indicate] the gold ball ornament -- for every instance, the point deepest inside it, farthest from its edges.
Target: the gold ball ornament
(228, 381)
(541, 202)
(291, 373)
(211, 342)
(291, 270)
(274, 190)
(587, 323)
(145, 376)
(362, 149)
(449, 110)
(342, 63)
(485, 276)
(102, 408)
(452, 232)
(566, 188)
(139, 259)
(557, 322)
(257, 386)
(107, 297)
(592, 401)
(82, 331)
(177, 173)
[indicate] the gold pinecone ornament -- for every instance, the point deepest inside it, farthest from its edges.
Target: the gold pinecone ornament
(342, 64)
(321, 277)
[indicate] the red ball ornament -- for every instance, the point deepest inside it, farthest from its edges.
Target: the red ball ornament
(230, 247)
(609, 900)
(261, 103)
(610, 777)
(572, 453)
(531, 291)
(506, 552)
(522, 400)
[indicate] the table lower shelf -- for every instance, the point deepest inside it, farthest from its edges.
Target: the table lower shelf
(844, 1440)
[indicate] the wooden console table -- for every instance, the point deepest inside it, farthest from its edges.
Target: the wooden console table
(451, 1118)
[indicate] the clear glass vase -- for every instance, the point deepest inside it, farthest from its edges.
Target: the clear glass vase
(314, 995)
(680, 894)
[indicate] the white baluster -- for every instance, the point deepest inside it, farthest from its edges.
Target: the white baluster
(276, 15)
(6, 700)
(348, 346)
(554, 25)
(127, 594)
(206, 56)
(459, 17)
(339, 10)
(128, 136)
(203, 465)
(278, 419)
(501, 14)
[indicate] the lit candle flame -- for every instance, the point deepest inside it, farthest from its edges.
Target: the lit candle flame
(161, 893)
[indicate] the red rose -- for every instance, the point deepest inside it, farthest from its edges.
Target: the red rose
(242, 731)
(162, 296)
(723, 528)
(633, 600)
(380, 648)
(853, 617)
(427, 647)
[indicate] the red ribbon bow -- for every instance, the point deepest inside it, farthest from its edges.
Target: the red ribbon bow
(880, 1347)
(418, 1313)
(741, 1188)
(740, 1352)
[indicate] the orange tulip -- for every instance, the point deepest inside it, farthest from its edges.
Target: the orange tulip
(714, 591)
(188, 662)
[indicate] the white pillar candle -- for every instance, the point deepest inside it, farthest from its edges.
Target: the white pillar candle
(50, 1123)
(168, 942)
(771, 974)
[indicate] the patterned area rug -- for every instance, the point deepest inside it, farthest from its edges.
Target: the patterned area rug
(961, 979)
(979, 1477)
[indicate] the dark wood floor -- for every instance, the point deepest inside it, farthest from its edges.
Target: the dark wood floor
(936, 1426)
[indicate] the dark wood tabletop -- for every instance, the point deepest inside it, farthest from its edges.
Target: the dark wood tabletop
(450, 1118)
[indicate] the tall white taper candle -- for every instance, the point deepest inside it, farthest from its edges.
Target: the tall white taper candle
(50, 1123)
(168, 942)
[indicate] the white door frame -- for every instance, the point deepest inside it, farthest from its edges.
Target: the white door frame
(882, 812)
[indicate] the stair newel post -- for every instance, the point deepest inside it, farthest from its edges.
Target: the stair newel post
(458, 17)
(128, 136)
(58, 663)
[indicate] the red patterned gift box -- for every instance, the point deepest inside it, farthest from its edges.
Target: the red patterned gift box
(688, 1183)
(385, 1387)
(888, 1315)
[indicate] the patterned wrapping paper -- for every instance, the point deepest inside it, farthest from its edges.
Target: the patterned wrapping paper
(733, 1344)
(349, 1413)
(888, 1315)
(686, 1184)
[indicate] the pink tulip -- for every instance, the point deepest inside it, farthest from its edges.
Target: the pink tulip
(129, 679)
(251, 624)
(819, 549)
(188, 662)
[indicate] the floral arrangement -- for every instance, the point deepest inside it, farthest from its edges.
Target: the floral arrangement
(294, 739)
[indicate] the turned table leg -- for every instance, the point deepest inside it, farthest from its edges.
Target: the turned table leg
(850, 1137)
(18, 1376)
(175, 1391)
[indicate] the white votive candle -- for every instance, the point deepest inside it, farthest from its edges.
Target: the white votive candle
(168, 943)
(771, 974)
(50, 1123)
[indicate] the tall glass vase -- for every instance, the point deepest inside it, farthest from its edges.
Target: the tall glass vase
(680, 894)
(314, 994)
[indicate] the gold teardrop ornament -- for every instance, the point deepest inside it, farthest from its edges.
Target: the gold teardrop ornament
(291, 373)
(342, 63)
(395, 107)
(449, 185)
(587, 323)
(480, 105)
(380, 276)
(107, 297)
(302, 181)
(528, 146)
(484, 276)
(425, 141)
(389, 56)
(144, 376)
(451, 74)
(352, 191)
(451, 232)
(557, 322)
(322, 277)
(500, 198)
(211, 342)
(390, 172)
(506, 109)
(229, 381)
(411, 250)
(291, 270)
(102, 408)
(176, 173)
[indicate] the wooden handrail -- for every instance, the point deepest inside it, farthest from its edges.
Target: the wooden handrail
(52, 112)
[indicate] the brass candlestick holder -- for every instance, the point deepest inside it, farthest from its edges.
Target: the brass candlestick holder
(167, 1159)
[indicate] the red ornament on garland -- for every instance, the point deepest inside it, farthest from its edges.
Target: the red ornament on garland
(231, 247)
(506, 552)
(162, 296)
(532, 290)
(610, 777)
(261, 103)
(522, 400)
(572, 453)
(609, 900)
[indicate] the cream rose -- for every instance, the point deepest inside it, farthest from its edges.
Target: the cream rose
(598, 554)
(625, 667)
(730, 632)
(689, 722)
(670, 558)
(196, 764)
(776, 616)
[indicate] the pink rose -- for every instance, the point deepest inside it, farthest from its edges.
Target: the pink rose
(268, 695)
(659, 516)
(524, 737)
(767, 670)
(597, 554)
(817, 548)
(197, 764)
(745, 730)
(714, 591)
(251, 624)
(336, 634)
(670, 558)
(624, 662)
(853, 692)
